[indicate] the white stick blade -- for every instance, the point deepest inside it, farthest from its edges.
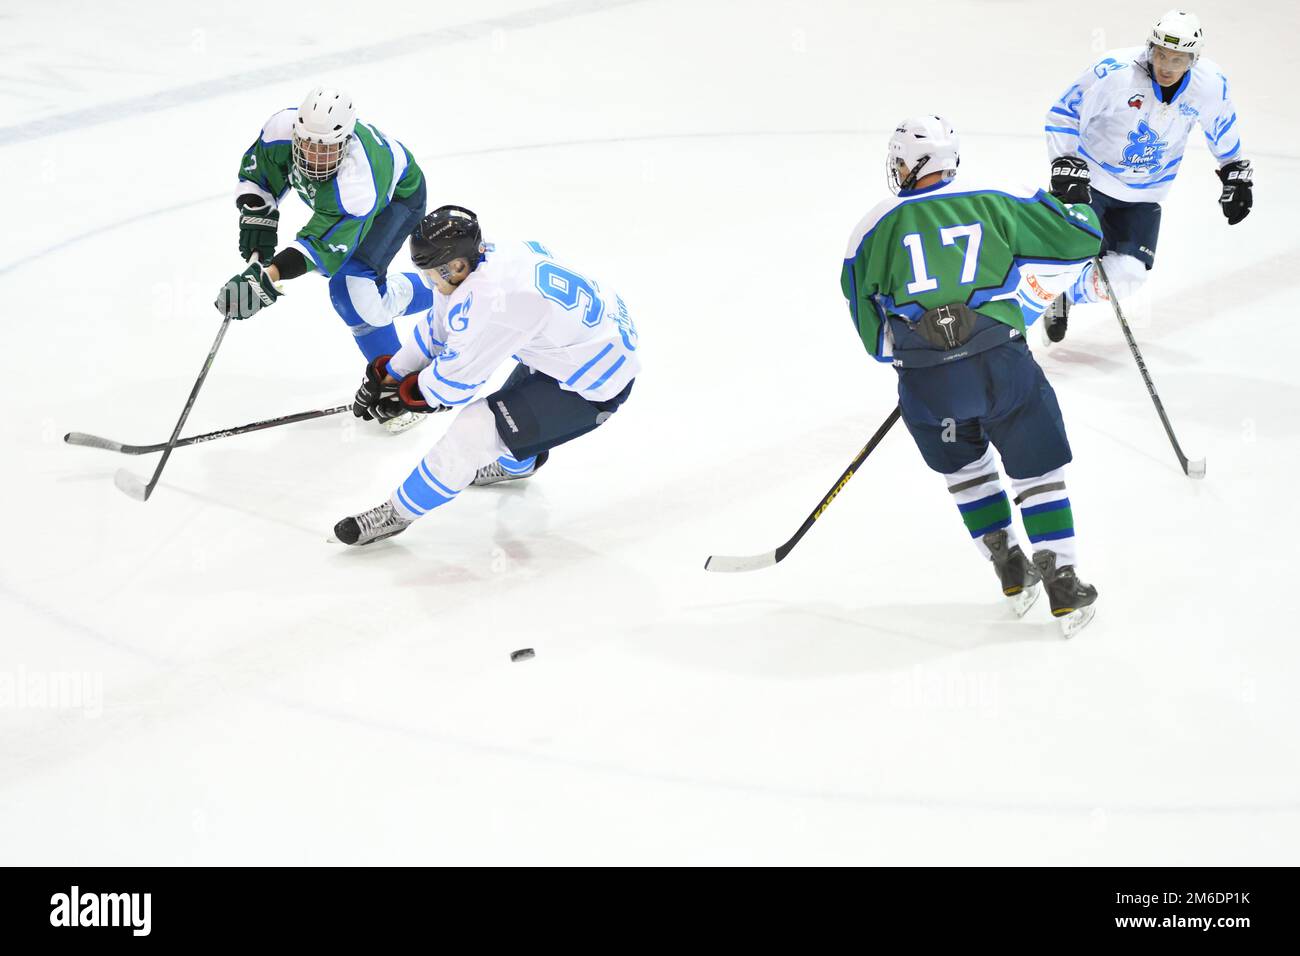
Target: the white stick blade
(721, 562)
(130, 485)
(92, 441)
(1196, 469)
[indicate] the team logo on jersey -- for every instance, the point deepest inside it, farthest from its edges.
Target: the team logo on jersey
(1108, 65)
(252, 165)
(1145, 150)
(458, 317)
(1135, 100)
(1037, 289)
(305, 188)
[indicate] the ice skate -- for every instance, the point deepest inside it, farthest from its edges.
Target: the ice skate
(1018, 576)
(493, 473)
(1072, 601)
(370, 526)
(400, 423)
(1055, 320)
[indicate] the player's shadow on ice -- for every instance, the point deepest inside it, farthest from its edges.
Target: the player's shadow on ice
(819, 639)
(1066, 363)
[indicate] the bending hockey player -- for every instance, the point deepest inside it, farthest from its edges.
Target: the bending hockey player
(575, 343)
(366, 194)
(931, 278)
(1117, 137)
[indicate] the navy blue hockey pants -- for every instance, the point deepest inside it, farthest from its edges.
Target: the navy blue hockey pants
(534, 414)
(999, 395)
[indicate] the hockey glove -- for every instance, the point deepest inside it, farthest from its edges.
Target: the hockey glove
(258, 227)
(374, 390)
(408, 399)
(247, 293)
(1236, 197)
(1070, 180)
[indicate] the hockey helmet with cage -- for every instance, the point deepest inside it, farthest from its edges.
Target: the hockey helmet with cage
(447, 233)
(322, 131)
(921, 145)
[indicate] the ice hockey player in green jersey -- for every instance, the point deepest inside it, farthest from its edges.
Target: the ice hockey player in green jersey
(931, 278)
(367, 195)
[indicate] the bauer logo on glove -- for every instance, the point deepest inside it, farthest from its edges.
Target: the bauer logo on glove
(1236, 198)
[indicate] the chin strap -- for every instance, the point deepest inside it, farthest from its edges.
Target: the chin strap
(913, 175)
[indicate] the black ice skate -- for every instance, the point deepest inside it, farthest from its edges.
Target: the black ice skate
(1072, 601)
(1018, 576)
(494, 473)
(371, 526)
(1056, 319)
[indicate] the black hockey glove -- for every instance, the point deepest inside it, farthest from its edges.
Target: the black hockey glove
(258, 228)
(1070, 180)
(1236, 197)
(247, 293)
(373, 391)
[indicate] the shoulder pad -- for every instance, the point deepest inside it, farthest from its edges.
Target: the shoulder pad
(279, 128)
(355, 182)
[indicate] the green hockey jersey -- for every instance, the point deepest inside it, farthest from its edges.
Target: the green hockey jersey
(956, 243)
(374, 171)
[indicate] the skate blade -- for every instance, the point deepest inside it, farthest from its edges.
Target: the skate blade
(485, 482)
(1076, 621)
(1022, 602)
(381, 537)
(395, 426)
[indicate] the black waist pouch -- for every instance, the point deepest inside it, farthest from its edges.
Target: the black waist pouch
(946, 327)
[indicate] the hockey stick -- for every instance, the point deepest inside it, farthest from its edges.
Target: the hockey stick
(768, 558)
(94, 441)
(1192, 469)
(129, 483)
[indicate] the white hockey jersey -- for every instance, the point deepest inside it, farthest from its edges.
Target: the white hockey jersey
(519, 302)
(1115, 119)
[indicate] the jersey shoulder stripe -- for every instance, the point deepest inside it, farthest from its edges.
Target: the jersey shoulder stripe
(354, 185)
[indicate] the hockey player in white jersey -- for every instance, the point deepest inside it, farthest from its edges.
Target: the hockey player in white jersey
(575, 343)
(1116, 139)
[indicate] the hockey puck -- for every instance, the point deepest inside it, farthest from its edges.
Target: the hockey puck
(523, 654)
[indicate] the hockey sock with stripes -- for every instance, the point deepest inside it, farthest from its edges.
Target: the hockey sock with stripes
(512, 467)
(977, 490)
(449, 467)
(1045, 509)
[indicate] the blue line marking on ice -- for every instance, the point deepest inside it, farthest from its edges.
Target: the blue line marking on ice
(312, 66)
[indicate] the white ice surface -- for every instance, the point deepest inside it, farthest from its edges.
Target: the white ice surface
(270, 696)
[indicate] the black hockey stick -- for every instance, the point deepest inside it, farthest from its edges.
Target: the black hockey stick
(753, 562)
(1192, 469)
(132, 485)
(94, 441)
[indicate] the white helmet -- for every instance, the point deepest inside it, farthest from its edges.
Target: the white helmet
(923, 145)
(1179, 31)
(321, 132)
